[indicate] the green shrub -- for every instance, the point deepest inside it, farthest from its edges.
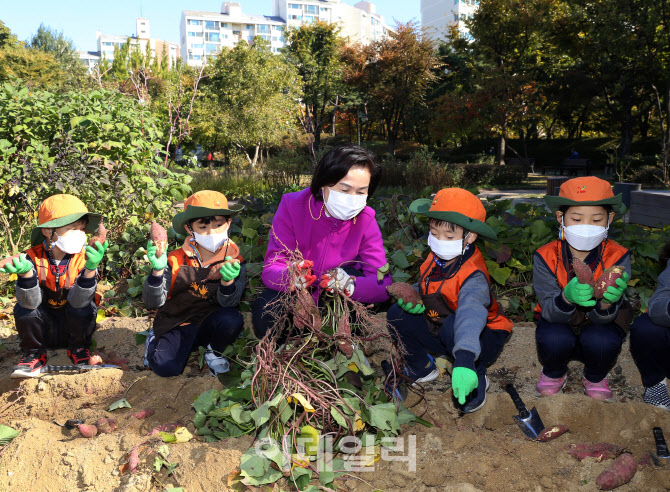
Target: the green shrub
(286, 168)
(648, 176)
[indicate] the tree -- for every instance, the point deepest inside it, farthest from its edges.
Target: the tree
(314, 49)
(50, 41)
(250, 100)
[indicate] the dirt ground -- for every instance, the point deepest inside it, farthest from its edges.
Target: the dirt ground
(482, 451)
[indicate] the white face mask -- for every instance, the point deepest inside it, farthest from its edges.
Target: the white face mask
(211, 242)
(344, 206)
(71, 242)
(584, 237)
(447, 250)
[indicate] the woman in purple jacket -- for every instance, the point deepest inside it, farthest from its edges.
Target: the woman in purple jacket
(331, 226)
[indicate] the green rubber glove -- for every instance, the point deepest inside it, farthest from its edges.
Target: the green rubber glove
(230, 271)
(463, 382)
(95, 255)
(580, 294)
(156, 263)
(613, 294)
(19, 266)
(408, 308)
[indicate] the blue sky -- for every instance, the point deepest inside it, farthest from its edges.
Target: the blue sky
(80, 19)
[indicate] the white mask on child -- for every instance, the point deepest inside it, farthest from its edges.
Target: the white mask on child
(211, 242)
(447, 250)
(71, 242)
(344, 206)
(584, 237)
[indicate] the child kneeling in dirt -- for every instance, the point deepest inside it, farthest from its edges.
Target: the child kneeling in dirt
(650, 340)
(196, 308)
(55, 289)
(460, 318)
(571, 324)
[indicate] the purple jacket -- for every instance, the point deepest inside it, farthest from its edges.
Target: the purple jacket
(328, 242)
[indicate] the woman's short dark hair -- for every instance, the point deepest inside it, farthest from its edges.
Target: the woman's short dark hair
(336, 164)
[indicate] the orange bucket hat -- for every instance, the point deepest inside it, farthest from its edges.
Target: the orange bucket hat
(585, 191)
(203, 204)
(61, 210)
(457, 206)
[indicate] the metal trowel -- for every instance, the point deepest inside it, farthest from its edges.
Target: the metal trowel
(661, 446)
(528, 420)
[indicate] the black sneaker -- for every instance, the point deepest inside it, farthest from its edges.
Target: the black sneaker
(657, 395)
(30, 364)
(78, 356)
(477, 399)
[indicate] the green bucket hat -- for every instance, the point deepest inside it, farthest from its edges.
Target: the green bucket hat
(457, 206)
(61, 210)
(586, 191)
(203, 204)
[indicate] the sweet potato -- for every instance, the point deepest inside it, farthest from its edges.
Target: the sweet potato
(100, 237)
(87, 431)
(583, 272)
(620, 472)
(134, 459)
(143, 414)
(158, 235)
(105, 426)
(607, 279)
(600, 451)
(7, 260)
(404, 291)
(551, 433)
(215, 270)
(645, 461)
(163, 428)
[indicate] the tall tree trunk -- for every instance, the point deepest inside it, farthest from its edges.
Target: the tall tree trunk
(626, 124)
(337, 101)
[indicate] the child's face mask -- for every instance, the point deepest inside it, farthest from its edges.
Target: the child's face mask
(72, 242)
(211, 242)
(447, 250)
(344, 206)
(584, 237)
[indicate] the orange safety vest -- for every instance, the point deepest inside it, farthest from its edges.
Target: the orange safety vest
(47, 280)
(552, 253)
(451, 288)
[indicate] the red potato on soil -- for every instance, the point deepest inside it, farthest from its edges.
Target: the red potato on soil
(100, 237)
(620, 472)
(644, 461)
(163, 428)
(105, 426)
(134, 459)
(583, 272)
(551, 433)
(600, 451)
(143, 414)
(404, 291)
(608, 279)
(87, 431)
(158, 235)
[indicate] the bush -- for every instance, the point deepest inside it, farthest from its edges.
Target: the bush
(423, 171)
(286, 168)
(648, 176)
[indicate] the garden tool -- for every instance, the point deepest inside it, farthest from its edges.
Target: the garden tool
(54, 369)
(661, 447)
(528, 420)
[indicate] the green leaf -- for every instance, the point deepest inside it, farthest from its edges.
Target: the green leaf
(383, 416)
(261, 415)
(240, 414)
(206, 401)
(301, 477)
(339, 417)
(399, 259)
(498, 273)
(7, 434)
(326, 477)
(122, 403)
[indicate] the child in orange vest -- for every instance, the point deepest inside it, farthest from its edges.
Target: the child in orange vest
(55, 288)
(571, 324)
(459, 315)
(194, 309)
(650, 340)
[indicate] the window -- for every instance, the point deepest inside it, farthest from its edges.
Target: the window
(194, 22)
(296, 17)
(195, 57)
(266, 38)
(211, 48)
(197, 45)
(278, 28)
(224, 24)
(311, 9)
(236, 33)
(195, 34)
(212, 25)
(263, 28)
(324, 9)
(309, 19)
(275, 38)
(250, 26)
(250, 38)
(294, 6)
(107, 43)
(212, 36)
(224, 36)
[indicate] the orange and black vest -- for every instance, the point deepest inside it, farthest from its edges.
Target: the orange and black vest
(56, 297)
(554, 255)
(451, 288)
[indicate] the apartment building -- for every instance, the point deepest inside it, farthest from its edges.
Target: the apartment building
(107, 42)
(437, 16)
(203, 34)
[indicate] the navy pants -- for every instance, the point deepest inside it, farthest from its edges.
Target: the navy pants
(597, 346)
(168, 354)
(650, 347)
(44, 327)
(411, 330)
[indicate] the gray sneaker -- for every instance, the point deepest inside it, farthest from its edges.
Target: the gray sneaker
(150, 337)
(216, 364)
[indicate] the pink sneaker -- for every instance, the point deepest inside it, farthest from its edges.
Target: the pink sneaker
(598, 391)
(547, 386)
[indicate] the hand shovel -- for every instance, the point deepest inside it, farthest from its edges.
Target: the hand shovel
(661, 447)
(528, 420)
(74, 368)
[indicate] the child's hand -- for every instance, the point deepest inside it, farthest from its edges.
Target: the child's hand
(463, 382)
(95, 255)
(613, 294)
(156, 263)
(230, 270)
(579, 294)
(19, 266)
(409, 308)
